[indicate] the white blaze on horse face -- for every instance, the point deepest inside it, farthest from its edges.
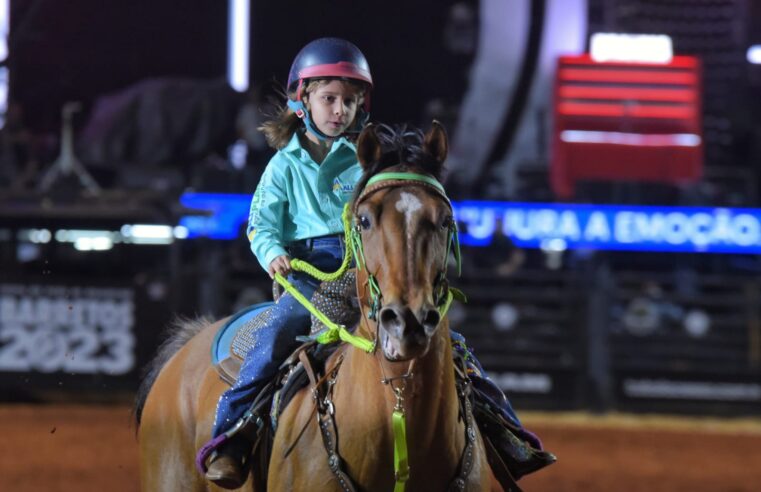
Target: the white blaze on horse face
(408, 204)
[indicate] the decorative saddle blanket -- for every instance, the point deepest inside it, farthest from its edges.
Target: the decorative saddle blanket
(336, 299)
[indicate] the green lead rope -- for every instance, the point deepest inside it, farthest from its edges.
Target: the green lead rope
(303, 266)
(401, 464)
(334, 332)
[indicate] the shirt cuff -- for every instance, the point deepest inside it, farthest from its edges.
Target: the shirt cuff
(270, 255)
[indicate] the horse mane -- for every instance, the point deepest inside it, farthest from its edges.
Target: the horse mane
(400, 145)
(179, 332)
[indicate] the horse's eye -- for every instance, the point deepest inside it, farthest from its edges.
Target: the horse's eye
(364, 222)
(447, 222)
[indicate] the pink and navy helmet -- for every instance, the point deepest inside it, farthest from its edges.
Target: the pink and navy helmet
(327, 58)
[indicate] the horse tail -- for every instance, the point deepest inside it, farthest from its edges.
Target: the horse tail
(179, 332)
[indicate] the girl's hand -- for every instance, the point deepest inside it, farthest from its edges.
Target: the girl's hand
(281, 265)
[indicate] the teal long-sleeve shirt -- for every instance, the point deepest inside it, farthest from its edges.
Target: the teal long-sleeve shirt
(297, 198)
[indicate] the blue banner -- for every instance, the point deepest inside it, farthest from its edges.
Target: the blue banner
(612, 227)
(546, 225)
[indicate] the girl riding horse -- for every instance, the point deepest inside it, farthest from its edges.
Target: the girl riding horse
(296, 213)
(404, 226)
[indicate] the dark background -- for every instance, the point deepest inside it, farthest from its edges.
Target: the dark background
(167, 60)
(79, 49)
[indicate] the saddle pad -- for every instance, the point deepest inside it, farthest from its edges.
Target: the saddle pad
(221, 346)
(336, 299)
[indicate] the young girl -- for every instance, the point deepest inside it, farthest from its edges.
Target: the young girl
(296, 213)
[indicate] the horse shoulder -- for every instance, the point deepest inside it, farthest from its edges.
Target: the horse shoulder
(293, 464)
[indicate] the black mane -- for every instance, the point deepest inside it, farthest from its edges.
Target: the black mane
(403, 145)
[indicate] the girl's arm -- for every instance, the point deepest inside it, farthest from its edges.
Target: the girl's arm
(268, 209)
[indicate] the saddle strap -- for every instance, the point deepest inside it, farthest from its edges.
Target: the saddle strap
(306, 363)
(499, 468)
(330, 438)
(466, 461)
(325, 420)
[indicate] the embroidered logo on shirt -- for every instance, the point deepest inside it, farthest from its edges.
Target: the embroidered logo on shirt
(338, 186)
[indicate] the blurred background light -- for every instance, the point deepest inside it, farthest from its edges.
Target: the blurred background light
(505, 316)
(642, 317)
(649, 48)
(93, 243)
(239, 37)
(4, 32)
(754, 54)
(639, 139)
(147, 233)
(697, 323)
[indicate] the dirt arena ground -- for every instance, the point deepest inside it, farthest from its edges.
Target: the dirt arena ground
(93, 448)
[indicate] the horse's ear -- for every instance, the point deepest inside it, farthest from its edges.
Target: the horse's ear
(435, 142)
(368, 147)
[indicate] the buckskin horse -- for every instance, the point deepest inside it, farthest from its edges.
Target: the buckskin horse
(403, 224)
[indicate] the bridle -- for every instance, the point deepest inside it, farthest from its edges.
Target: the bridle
(442, 297)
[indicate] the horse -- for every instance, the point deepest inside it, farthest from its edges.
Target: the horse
(404, 225)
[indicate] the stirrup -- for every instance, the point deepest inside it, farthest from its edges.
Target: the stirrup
(231, 466)
(245, 424)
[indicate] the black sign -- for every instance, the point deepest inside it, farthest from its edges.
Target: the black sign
(72, 337)
(76, 330)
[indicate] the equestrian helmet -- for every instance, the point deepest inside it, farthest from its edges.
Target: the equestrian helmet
(328, 58)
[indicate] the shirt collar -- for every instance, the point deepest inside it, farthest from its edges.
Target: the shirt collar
(294, 145)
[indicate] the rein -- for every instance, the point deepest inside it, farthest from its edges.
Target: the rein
(336, 332)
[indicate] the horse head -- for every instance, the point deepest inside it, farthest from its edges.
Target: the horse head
(403, 229)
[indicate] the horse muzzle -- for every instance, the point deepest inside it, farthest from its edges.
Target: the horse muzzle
(404, 334)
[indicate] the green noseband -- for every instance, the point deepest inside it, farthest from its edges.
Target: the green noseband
(422, 178)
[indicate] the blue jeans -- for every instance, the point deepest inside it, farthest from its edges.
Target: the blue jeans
(276, 340)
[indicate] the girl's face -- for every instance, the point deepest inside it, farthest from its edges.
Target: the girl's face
(333, 106)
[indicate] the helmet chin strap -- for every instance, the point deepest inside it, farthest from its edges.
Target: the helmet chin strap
(302, 112)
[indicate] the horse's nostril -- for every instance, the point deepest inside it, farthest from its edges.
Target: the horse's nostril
(431, 319)
(390, 320)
